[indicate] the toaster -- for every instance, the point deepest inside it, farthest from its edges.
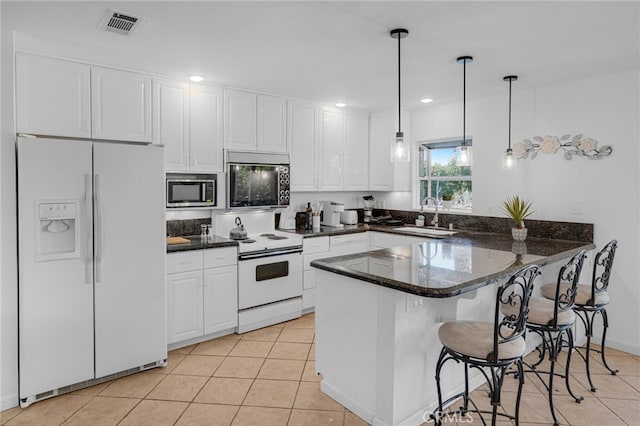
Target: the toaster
(349, 217)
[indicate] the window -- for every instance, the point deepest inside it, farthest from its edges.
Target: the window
(440, 177)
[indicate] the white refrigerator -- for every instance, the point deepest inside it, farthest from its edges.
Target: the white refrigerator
(91, 263)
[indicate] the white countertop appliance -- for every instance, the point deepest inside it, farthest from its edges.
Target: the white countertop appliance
(91, 263)
(349, 217)
(331, 214)
(269, 270)
(257, 179)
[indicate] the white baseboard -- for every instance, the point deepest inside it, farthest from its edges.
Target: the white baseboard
(418, 417)
(616, 344)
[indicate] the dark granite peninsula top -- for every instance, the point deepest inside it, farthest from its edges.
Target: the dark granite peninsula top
(196, 243)
(452, 266)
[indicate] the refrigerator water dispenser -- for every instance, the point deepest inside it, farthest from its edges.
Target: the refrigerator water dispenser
(58, 230)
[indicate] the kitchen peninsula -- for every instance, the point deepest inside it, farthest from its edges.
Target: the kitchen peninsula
(378, 313)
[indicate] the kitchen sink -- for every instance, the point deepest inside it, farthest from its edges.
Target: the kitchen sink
(430, 232)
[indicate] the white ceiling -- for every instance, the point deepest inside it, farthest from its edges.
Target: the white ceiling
(329, 51)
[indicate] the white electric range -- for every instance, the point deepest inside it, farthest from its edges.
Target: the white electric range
(269, 270)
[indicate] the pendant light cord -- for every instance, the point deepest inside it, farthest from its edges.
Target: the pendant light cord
(464, 103)
(510, 80)
(399, 79)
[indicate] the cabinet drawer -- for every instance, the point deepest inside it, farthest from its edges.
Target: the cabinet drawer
(184, 261)
(227, 256)
(315, 245)
(349, 239)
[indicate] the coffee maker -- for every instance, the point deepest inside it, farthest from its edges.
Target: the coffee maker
(369, 202)
(331, 214)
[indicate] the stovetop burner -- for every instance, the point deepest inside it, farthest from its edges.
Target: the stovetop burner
(247, 241)
(270, 236)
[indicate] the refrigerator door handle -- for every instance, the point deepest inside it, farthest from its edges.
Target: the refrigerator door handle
(98, 225)
(88, 249)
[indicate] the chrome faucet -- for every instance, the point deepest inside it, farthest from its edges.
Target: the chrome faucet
(434, 221)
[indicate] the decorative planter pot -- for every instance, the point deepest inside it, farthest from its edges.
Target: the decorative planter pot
(446, 204)
(519, 234)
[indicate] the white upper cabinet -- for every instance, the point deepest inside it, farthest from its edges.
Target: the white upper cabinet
(187, 120)
(343, 150)
(120, 105)
(254, 122)
(171, 121)
(206, 128)
(331, 150)
(356, 150)
(380, 137)
(272, 120)
(53, 97)
(239, 119)
(302, 134)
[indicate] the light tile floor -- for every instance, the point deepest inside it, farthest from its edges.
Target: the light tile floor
(266, 377)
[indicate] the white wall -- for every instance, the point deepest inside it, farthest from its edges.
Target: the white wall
(605, 108)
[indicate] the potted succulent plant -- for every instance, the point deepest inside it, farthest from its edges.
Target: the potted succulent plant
(518, 209)
(447, 197)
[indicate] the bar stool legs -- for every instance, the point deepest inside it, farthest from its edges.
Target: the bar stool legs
(553, 342)
(587, 316)
(494, 382)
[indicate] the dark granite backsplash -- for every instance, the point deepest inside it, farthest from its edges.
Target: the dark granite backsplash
(569, 231)
(183, 228)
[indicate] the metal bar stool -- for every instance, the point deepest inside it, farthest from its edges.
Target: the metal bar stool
(553, 321)
(591, 300)
(493, 346)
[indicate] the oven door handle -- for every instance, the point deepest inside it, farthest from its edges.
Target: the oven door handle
(269, 253)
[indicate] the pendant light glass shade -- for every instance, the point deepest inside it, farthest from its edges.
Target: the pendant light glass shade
(400, 149)
(508, 159)
(464, 159)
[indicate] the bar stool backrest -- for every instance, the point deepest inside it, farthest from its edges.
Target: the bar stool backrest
(602, 269)
(569, 274)
(515, 292)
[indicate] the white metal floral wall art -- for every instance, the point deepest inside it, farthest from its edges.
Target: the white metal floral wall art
(570, 145)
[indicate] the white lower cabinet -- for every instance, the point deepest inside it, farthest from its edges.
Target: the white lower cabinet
(202, 294)
(323, 247)
(312, 249)
(184, 306)
(220, 299)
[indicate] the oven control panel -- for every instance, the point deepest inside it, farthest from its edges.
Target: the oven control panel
(284, 193)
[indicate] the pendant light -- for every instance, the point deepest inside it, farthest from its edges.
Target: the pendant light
(465, 157)
(399, 149)
(508, 159)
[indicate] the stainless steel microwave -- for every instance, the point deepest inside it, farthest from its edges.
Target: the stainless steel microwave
(191, 190)
(257, 179)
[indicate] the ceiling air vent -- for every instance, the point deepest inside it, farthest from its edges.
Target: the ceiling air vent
(120, 23)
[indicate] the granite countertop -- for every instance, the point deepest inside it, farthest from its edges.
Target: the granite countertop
(451, 266)
(196, 243)
(329, 231)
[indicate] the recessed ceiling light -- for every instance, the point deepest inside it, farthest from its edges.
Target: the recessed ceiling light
(426, 100)
(195, 78)
(341, 104)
